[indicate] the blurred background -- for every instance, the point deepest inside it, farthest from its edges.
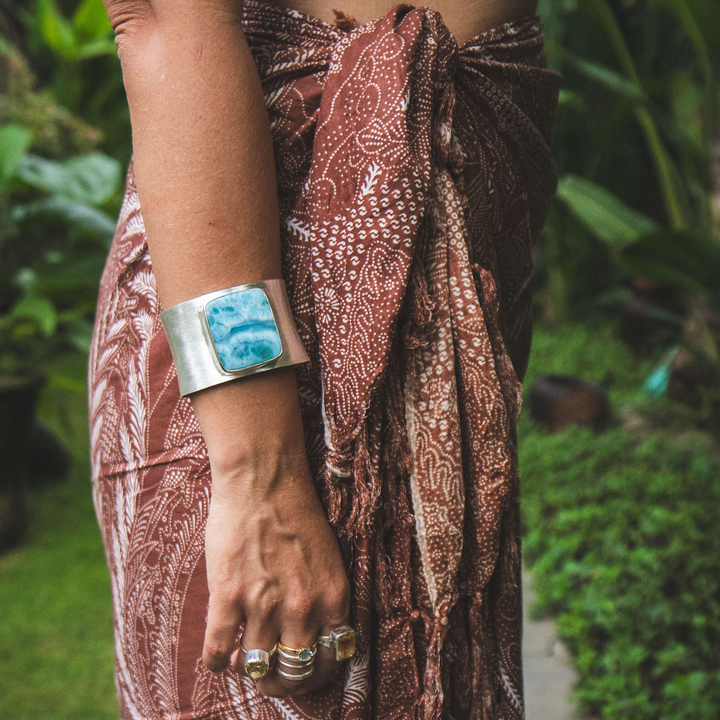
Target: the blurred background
(619, 439)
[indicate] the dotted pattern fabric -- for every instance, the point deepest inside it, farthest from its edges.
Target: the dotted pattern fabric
(414, 177)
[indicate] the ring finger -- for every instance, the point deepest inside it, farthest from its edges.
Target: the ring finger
(257, 650)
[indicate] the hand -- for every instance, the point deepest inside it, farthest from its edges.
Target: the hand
(272, 559)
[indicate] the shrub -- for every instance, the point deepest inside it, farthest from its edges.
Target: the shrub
(624, 542)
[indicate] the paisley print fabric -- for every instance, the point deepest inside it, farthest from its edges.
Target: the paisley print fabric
(414, 177)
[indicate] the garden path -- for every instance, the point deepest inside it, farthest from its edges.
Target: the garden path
(549, 676)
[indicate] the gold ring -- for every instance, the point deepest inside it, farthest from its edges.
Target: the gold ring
(304, 654)
(343, 639)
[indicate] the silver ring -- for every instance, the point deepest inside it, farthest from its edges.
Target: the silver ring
(294, 663)
(257, 660)
(342, 639)
(257, 663)
(295, 678)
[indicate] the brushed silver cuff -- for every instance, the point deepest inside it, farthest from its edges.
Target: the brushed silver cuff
(201, 335)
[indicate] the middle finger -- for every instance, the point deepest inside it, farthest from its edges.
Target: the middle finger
(318, 671)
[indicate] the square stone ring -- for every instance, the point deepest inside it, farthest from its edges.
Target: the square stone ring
(342, 639)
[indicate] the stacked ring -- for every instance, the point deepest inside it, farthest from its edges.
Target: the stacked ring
(300, 660)
(257, 661)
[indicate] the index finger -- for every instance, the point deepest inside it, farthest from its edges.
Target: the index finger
(223, 625)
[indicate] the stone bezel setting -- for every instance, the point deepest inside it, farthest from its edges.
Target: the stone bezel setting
(305, 654)
(345, 642)
(257, 664)
(242, 309)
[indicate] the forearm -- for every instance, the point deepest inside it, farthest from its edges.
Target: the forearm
(202, 147)
(206, 182)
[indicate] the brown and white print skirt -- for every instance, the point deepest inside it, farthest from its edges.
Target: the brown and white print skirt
(414, 177)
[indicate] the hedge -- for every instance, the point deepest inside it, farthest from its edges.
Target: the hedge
(623, 539)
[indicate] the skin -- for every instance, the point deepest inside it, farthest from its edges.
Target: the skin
(206, 182)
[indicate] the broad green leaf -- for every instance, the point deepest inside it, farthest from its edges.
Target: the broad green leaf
(673, 192)
(572, 99)
(79, 333)
(14, 143)
(685, 15)
(95, 48)
(609, 78)
(680, 259)
(88, 179)
(38, 310)
(72, 282)
(64, 382)
(603, 213)
(91, 21)
(56, 30)
(707, 13)
(88, 219)
(686, 98)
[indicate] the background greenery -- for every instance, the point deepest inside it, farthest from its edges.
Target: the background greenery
(620, 528)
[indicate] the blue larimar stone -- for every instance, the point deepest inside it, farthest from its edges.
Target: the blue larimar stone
(243, 329)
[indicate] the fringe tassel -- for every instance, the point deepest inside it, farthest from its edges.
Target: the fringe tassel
(345, 22)
(433, 688)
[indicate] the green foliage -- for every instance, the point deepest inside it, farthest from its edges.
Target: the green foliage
(591, 352)
(75, 53)
(88, 180)
(624, 544)
(14, 143)
(622, 538)
(86, 34)
(603, 214)
(54, 232)
(55, 131)
(56, 634)
(637, 129)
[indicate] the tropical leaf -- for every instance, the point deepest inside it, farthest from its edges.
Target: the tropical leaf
(602, 213)
(90, 220)
(91, 21)
(89, 179)
(38, 310)
(685, 260)
(14, 143)
(56, 31)
(607, 77)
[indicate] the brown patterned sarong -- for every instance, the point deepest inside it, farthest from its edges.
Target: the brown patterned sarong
(414, 177)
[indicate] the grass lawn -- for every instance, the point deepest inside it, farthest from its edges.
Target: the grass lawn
(56, 644)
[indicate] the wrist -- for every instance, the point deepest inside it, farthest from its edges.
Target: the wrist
(253, 430)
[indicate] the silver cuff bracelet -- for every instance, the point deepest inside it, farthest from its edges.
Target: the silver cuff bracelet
(232, 333)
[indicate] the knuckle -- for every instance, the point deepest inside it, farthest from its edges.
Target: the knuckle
(337, 602)
(299, 607)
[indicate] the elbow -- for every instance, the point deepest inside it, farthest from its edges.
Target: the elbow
(131, 20)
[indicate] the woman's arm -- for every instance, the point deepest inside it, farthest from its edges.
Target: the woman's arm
(206, 182)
